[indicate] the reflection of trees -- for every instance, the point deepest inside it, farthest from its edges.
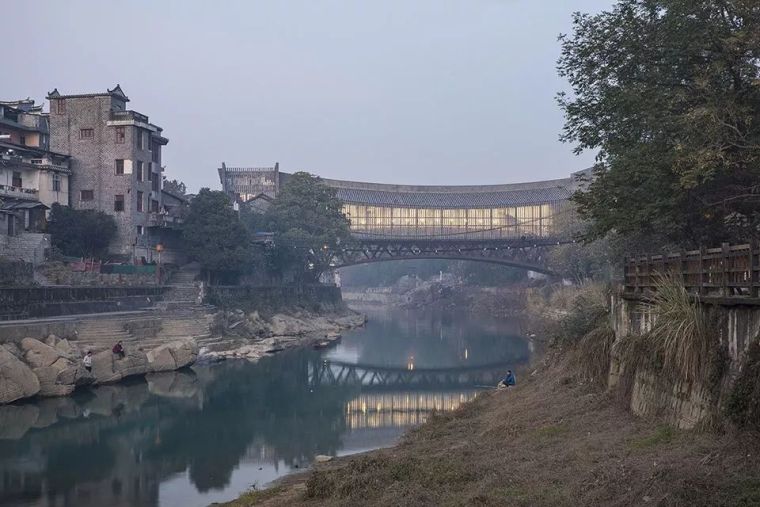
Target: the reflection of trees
(270, 403)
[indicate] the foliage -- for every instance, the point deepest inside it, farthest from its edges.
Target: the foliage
(175, 187)
(743, 406)
(587, 310)
(81, 233)
(214, 235)
(579, 262)
(309, 225)
(668, 92)
(594, 351)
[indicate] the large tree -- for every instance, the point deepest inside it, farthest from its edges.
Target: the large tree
(214, 235)
(80, 233)
(309, 224)
(667, 91)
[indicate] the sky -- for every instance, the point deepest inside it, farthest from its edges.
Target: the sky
(442, 92)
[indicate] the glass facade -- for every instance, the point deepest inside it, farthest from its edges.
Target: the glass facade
(482, 223)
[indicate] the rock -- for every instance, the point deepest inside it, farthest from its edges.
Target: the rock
(173, 355)
(108, 367)
(66, 347)
(14, 349)
(49, 386)
(322, 458)
(17, 380)
(52, 340)
(38, 354)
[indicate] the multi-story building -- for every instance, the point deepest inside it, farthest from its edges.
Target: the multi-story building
(115, 164)
(32, 177)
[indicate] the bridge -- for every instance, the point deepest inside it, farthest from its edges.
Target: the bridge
(511, 224)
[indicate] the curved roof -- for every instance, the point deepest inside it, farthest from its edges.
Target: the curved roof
(470, 196)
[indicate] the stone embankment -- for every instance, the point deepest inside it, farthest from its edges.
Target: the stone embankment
(250, 336)
(54, 367)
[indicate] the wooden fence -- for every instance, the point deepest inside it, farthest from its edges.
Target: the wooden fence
(728, 271)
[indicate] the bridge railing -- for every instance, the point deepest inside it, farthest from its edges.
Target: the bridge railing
(727, 271)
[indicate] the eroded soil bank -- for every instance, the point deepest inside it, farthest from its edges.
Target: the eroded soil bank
(553, 440)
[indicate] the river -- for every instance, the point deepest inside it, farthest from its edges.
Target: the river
(205, 435)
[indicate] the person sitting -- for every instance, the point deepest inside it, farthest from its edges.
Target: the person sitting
(509, 380)
(118, 349)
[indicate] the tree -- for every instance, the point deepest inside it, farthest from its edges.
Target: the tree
(309, 225)
(81, 233)
(214, 235)
(175, 187)
(668, 91)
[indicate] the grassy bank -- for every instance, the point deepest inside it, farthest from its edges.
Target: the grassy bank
(554, 440)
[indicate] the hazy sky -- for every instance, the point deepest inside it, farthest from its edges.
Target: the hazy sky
(396, 91)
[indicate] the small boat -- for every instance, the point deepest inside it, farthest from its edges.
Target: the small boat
(322, 344)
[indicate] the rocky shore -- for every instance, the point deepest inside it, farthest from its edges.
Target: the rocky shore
(54, 367)
(251, 336)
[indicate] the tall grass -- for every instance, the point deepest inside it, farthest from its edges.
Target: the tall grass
(682, 344)
(682, 332)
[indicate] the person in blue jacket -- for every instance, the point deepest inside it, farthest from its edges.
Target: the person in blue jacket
(509, 380)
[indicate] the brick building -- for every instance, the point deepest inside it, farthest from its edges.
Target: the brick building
(115, 160)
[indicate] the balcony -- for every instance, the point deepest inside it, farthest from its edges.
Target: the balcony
(128, 116)
(164, 220)
(28, 194)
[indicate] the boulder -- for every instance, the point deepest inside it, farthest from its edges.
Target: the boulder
(38, 354)
(49, 385)
(173, 355)
(108, 367)
(17, 380)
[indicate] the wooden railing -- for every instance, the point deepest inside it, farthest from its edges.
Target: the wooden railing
(728, 271)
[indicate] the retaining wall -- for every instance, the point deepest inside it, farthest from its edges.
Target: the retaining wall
(316, 297)
(683, 404)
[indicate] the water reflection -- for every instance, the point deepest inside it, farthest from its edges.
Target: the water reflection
(193, 437)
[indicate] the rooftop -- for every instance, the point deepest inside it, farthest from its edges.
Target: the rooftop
(116, 91)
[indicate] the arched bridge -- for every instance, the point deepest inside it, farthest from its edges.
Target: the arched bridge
(510, 224)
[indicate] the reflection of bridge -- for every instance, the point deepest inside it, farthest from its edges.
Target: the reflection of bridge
(335, 373)
(504, 224)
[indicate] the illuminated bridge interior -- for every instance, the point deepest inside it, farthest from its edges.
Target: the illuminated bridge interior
(383, 211)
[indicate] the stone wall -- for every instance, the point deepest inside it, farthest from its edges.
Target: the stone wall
(684, 405)
(21, 303)
(15, 273)
(312, 297)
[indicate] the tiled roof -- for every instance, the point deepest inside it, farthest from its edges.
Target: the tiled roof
(488, 199)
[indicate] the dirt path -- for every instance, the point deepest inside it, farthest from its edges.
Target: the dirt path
(550, 441)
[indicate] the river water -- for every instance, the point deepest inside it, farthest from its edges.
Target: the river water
(209, 433)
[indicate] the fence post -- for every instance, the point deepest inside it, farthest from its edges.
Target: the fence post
(701, 289)
(754, 271)
(724, 283)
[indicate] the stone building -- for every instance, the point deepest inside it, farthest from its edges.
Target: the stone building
(115, 164)
(32, 177)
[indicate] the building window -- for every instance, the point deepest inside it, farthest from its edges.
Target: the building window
(139, 201)
(156, 153)
(150, 175)
(22, 140)
(140, 230)
(86, 195)
(60, 106)
(120, 135)
(154, 206)
(155, 182)
(16, 180)
(119, 166)
(86, 133)
(139, 139)
(56, 182)
(139, 170)
(118, 202)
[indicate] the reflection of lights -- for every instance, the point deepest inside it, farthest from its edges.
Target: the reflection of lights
(400, 409)
(410, 364)
(466, 353)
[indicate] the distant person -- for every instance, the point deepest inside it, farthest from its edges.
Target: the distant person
(509, 380)
(87, 361)
(118, 349)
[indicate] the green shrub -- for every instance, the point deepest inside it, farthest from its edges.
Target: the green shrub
(743, 406)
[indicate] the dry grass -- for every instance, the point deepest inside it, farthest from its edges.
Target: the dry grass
(550, 441)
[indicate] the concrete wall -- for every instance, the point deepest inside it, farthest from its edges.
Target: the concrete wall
(684, 405)
(250, 298)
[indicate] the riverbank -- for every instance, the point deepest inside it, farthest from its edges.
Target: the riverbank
(553, 440)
